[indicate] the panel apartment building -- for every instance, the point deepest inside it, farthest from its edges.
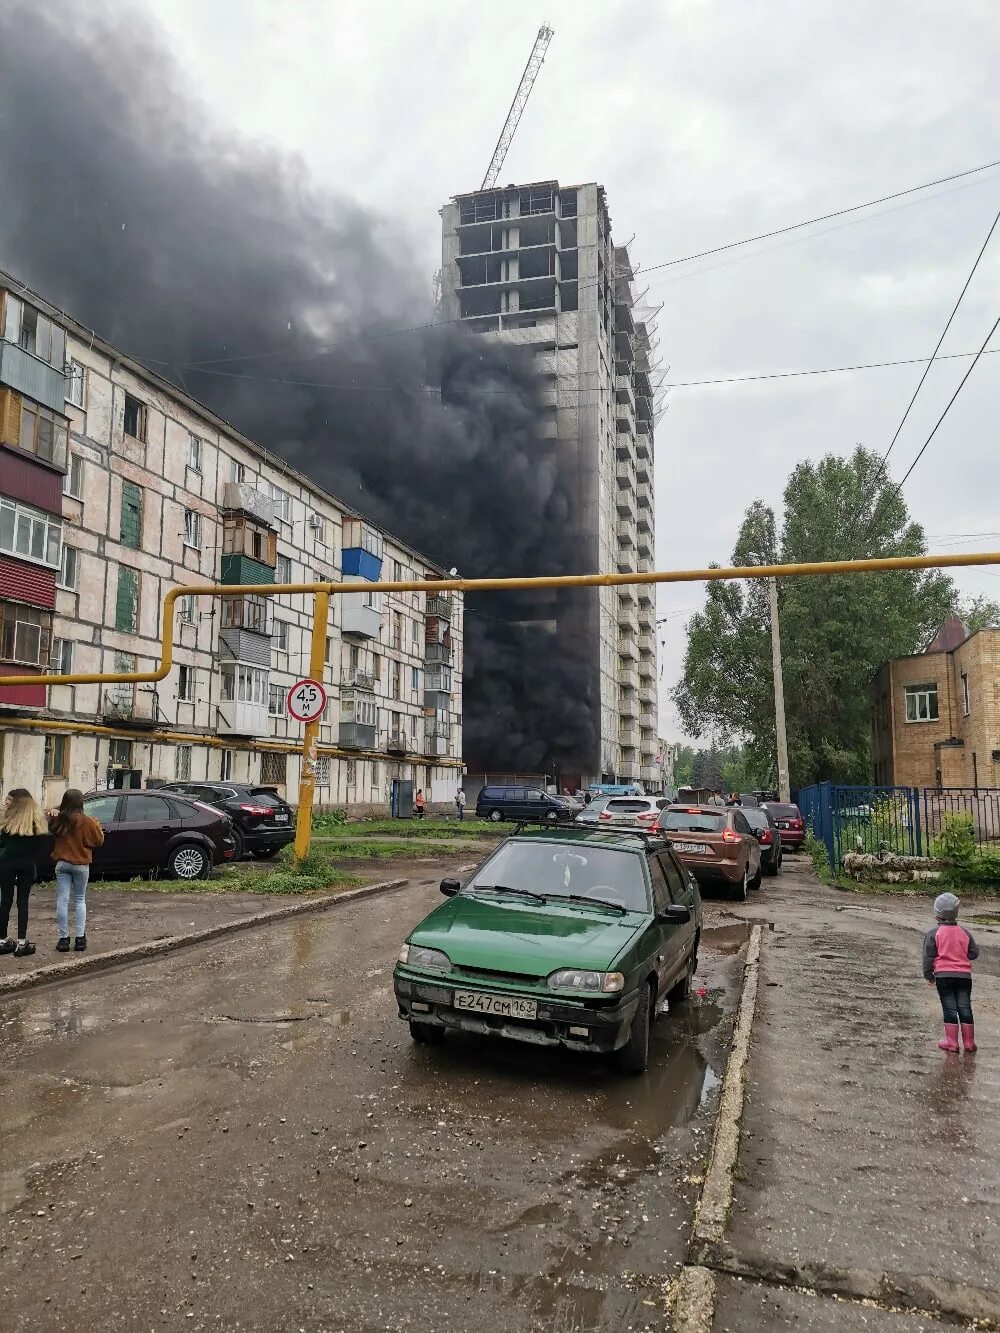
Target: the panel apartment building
(114, 487)
(536, 265)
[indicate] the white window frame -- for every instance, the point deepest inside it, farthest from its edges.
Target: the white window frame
(186, 614)
(238, 473)
(281, 500)
(276, 700)
(246, 684)
(76, 384)
(279, 634)
(73, 480)
(61, 656)
(966, 698)
(920, 697)
(50, 530)
(192, 529)
(185, 683)
(281, 574)
(69, 569)
(194, 452)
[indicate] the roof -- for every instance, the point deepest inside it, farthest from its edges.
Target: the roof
(94, 340)
(952, 632)
(619, 840)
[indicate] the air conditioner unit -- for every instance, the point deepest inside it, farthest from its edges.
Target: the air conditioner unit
(315, 522)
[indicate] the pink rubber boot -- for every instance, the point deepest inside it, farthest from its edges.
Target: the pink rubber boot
(969, 1036)
(950, 1042)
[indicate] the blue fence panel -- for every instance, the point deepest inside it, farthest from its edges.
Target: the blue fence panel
(980, 804)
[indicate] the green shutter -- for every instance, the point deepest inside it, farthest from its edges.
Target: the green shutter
(131, 524)
(127, 602)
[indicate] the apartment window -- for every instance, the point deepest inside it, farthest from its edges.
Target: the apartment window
(921, 703)
(244, 684)
(251, 612)
(33, 331)
(376, 666)
(43, 434)
(966, 702)
(185, 683)
(135, 418)
(30, 534)
(127, 600)
(68, 568)
(279, 636)
(182, 763)
(397, 630)
(226, 766)
(237, 473)
(397, 673)
(73, 481)
(61, 657)
(120, 754)
(327, 648)
(194, 453)
(185, 610)
(318, 529)
(272, 767)
(415, 679)
(322, 768)
(25, 634)
(351, 772)
(416, 635)
(56, 761)
(398, 573)
(240, 536)
(130, 527)
(283, 569)
(192, 528)
(76, 384)
(281, 500)
(276, 700)
(354, 657)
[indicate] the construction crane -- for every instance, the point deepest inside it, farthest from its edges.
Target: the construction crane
(517, 106)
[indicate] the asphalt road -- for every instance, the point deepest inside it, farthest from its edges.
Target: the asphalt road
(241, 1135)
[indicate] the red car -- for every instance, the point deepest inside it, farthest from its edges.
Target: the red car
(791, 825)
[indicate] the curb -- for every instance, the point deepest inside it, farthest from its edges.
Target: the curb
(91, 963)
(694, 1300)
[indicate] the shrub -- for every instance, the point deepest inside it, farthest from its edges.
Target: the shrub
(956, 841)
(819, 856)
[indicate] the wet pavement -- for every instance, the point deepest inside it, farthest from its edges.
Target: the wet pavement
(241, 1135)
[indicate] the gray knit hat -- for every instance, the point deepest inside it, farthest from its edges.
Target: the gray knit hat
(946, 906)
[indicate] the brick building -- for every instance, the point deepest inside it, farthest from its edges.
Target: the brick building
(936, 714)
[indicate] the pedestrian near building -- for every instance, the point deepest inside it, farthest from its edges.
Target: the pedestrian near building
(22, 828)
(460, 802)
(420, 803)
(949, 952)
(76, 835)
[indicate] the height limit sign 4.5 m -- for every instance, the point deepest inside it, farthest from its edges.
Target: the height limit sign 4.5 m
(306, 700)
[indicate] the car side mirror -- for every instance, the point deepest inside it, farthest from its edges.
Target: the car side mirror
(676, 914)
(449, 887)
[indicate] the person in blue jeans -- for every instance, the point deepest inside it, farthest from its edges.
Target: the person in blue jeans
(76, 835)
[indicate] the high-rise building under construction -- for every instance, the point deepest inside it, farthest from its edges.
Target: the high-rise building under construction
(536, 265)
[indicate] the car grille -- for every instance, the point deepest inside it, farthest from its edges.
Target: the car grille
(493, 974)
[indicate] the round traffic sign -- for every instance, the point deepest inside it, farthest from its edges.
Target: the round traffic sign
(306, 700)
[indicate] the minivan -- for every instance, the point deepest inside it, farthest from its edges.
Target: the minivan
(528, 804)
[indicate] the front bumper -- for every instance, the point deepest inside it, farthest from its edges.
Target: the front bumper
(425, 1000)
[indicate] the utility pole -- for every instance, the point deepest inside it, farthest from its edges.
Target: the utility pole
(784, 790)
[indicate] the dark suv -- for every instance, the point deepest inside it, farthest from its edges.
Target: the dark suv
(526, 804)
(766, 831)
(262, 821)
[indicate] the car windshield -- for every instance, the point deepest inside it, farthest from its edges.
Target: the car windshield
(755, 817)
(781, 811)
(562, 870)
(265, 797)
(692, 821)
(621, 806)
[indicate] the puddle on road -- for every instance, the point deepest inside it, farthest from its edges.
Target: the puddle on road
(727, 939)
(13, 1190)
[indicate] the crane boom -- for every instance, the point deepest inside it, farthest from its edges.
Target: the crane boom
(517, 106)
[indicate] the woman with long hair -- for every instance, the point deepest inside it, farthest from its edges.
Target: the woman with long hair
(76, 835)
(22, 827)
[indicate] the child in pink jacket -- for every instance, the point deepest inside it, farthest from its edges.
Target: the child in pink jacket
(949, 950)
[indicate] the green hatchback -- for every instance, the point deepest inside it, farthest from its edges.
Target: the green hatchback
(562, 937)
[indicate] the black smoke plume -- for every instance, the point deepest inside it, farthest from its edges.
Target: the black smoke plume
(216, 262)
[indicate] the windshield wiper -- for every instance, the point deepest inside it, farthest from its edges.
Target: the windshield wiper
(591, 902)
(505, 888)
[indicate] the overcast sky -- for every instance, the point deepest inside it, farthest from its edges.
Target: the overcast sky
(706, 122)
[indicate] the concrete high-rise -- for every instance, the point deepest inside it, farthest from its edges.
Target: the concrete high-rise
(536, 264)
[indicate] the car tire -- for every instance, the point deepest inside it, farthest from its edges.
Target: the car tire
(495, 816)
(552, 817)
(426, 1034)
(681, 990)
(755, 882)
(239, 845)
(633, 1057)
(740, 890)
(189, 861)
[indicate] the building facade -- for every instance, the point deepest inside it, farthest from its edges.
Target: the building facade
(936, 715)
(115, 487)
(537, 265)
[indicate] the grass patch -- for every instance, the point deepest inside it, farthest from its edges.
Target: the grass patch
(377, 849)
(331, 826)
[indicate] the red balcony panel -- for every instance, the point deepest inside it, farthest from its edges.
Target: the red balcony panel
(20, 696)
(22, 477)
(21, 581)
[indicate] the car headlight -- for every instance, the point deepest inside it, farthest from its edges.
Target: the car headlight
(415, 955)
(571, 978)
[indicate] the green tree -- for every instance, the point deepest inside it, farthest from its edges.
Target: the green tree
(978, 613)
(835, 630)
(684, 765)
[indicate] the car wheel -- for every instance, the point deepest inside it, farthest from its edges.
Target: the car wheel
(265, 853)
(552, 816)
(633, 1057)
(755, 882)
(188, 861)
(740, 890)
(682, 989)
(495, 816)
(426, 1034)
(240, 845)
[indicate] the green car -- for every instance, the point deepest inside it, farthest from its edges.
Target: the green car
(562, 937)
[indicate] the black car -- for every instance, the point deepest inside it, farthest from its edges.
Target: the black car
(262, 821)
(525, 804)
(766, 831)
(149, 834)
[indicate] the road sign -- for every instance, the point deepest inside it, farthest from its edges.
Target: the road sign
(306, 700)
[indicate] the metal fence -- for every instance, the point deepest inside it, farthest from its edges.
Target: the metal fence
(904, 820)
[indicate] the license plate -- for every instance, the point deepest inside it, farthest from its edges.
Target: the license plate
(504, 1006)
(281, 819)
(783, 824)
(698, 847)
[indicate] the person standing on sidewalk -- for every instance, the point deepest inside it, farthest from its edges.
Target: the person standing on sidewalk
(460, 803)
(76, 835)
(949, 952)
(22, 827)
(420, 803)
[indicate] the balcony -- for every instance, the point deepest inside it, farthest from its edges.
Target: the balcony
(437, 687)
(239, 497)
(36, 379)
(123, 705)
(628, 653)
(627, 619)
(644, 496)
(644, 545)
(647, 695)
(438, 653)
(643, 471)
(353, 678)
(648, 719)
(625, 472)
(624, 390)
(628, 677)
(628, 736)
(651, 775)
(628, 705)
(624, 419)
(440, 605)
(626, 562)
(625, 449)
(626, 532)
(647, 668)
(358, 619)
(238, 717)
(398, 742)
(644, 521)
(625, 503)
(647, 643)
(357, 735)
(642, 447)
